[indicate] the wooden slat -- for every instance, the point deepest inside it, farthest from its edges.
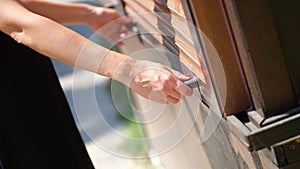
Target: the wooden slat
(145, 18)
(176, 7)
(147, 5)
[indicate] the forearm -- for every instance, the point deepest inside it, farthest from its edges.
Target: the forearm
(73, 49)
(56, 41)
(64, 13)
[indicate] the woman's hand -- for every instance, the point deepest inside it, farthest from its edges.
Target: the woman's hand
(154, 81)
(162, 84)
(108, 23)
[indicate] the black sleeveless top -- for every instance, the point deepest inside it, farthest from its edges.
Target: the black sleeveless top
(37, 129)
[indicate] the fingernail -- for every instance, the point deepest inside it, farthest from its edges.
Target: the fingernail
(188, 74)
(120, 43)
(128, 20)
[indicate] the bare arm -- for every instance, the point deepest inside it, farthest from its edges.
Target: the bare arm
(78, 13)
(58, 42)
(64, 13)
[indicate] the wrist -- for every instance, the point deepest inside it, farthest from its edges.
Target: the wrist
(84, 13)
(125, 71)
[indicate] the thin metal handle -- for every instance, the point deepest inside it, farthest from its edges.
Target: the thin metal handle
(193, 82)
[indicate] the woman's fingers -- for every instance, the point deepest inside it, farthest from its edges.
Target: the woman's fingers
(173, 90)
(161, 97)
(183, 89)
(179, 86)
(172, 100)
(156, 82)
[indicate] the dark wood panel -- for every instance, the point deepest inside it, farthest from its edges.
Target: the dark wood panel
(211, 20)
(261, 55)
(286, 16)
